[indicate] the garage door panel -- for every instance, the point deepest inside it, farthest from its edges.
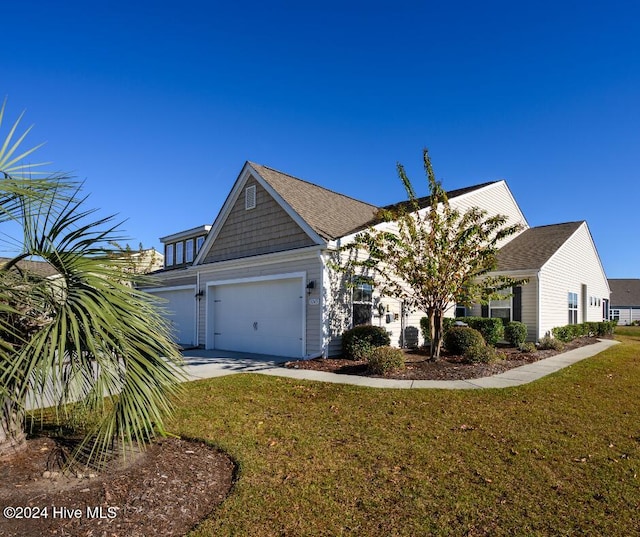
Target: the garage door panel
(259, 317)
(181, 314)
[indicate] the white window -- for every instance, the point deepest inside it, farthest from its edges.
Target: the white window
(573, 308)
(168, 255)
(188, 251)
(250, 197)
(199, 243)
(500, 309)
(362, 302)
(179, 253)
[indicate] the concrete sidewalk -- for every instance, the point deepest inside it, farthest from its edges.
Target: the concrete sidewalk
(202, 364)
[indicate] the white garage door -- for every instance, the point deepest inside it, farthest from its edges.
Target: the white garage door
(264, 317)
(181, 313)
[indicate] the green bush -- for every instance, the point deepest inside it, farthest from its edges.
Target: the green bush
(570, 332)
(606, 328)
(548, 342)
(563, 333)
(383, 359)
(492, 329)
(528, 348)
(460, 338)
(515, 333)
(360, 350)
(358, 341)
(447, 323)
(482, 354)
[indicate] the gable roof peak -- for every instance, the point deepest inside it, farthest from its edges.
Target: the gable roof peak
(330, 214)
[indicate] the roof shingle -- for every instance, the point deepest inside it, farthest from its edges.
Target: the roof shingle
(330, 214)
(625, 291)
(535, 246)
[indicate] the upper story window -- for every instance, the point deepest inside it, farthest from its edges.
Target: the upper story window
(188, 251)
(179, 253)
(168, 255)
(183, 252)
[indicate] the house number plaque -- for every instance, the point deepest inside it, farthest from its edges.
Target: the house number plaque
(314, 301)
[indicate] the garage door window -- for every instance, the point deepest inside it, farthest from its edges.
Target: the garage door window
(362, 303)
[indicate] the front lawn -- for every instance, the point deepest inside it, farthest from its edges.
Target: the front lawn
(560, 456)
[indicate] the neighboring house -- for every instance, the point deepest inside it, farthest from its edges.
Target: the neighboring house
(40, 268)
(262, 279)
(146, 261)
(625, 300)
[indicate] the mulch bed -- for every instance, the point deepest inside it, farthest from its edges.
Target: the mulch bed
(449, 367)
(165, 491)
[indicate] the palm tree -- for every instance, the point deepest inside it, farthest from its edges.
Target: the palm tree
(84, 336)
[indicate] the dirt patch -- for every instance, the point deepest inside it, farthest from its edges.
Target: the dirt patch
(166, 491)
(449, 367)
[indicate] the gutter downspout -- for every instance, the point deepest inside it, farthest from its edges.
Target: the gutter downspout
(539, 307)
(198, 309)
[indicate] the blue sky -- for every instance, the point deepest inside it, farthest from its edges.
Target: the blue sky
(157, 105)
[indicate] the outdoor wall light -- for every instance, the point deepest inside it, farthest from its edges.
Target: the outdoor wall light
(199, 294)
(310, 286)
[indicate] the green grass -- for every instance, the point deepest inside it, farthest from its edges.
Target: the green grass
(560, 456)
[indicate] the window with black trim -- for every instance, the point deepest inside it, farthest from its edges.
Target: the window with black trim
(168, 255)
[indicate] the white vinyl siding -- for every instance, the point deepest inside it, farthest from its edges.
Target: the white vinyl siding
(575, 264)
(495, 199)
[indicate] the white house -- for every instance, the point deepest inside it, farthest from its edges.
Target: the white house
(625, 300)
(260, 278)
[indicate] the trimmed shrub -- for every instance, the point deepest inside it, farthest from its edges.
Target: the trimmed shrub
(361, 339)
(383, 359)
(482, 354)
(563, 333)
(360, 350)
(460, 338)
(548, 342)
(515, 333)
(528, 348)
(492, 329)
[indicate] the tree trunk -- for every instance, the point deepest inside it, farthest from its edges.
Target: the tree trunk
(435, 324)
(12, 436)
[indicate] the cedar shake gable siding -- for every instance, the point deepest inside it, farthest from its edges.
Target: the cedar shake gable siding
(532, 248)
(330, 215)
(265, 229)
(625, 292)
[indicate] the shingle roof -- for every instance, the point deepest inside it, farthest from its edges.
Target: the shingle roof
(426, 200)
(535, 246)
(625, 291)
(41, 268)
(330, 214)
